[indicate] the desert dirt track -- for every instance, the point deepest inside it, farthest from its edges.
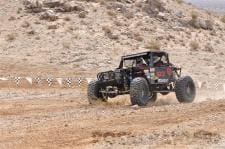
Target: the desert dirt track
(62, 118)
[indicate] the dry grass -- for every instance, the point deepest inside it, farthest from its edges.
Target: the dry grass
(153, 45)
(194, 15)
(111, 13)
(53, 26)
(138, 37)
(25, 24)
(118, 23)
(82, 14)
(194, 45)
(223, 19)
(67, 18)
(106, 29)
(180, 1)
(66, 45)
(11, 37)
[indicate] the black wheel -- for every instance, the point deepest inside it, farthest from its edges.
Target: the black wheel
(93, 92)
(139, 92)
(185, 90)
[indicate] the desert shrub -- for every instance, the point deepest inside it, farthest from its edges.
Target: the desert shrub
(153, 45)
(82, 14)
(11, 37)
(194, 15)
(154, 6)
(129, 14)
(52, 26)
(111, 13)
(194, 45)
(106, 29)
(12, 18)
(67, 18)
(109, 33)
(180, 1)
(25, 24)
(209, 48)
(31, 32)
(138, 37)
(223, 19)
(66, 45)
(118, 23)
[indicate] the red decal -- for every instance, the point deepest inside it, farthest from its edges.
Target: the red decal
(169, 71)
(161, 74)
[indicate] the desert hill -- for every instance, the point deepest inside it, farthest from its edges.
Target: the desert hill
(91, 35)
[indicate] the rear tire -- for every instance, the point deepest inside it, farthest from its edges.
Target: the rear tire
(93, 92)
(139, 92)
(185, 90)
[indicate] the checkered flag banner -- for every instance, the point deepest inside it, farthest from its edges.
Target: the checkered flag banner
(211, 85)
(214, 85)
(17, 80)
(38, 80)
(79, 81)
(69, 82)
(50, 81)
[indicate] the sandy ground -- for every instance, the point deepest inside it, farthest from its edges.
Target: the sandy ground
(62, 118)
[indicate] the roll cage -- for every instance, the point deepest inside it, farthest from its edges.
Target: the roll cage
(147, 56)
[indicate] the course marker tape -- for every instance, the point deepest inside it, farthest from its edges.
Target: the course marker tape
(69, 82)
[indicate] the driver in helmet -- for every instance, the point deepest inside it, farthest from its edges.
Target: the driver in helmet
(157, 61)
(141, 64)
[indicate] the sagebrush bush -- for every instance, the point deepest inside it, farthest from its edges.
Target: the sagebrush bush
(11, 37)
(180, 1)
(194, 15)
(194, 45)
(223, 19)
(153, 45)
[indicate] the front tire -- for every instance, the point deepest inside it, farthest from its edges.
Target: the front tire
(93, 92)
(139, 92)
(185, 90)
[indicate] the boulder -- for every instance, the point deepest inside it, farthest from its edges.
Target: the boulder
(209, 48)
(71, 6)
(35, 6)
(154, 6)
(53, 3)
(162, 16)
(209, 24)
(49, 15)
(199, 23)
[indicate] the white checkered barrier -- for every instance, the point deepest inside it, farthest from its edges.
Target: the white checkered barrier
(218, 85)
(61, 81)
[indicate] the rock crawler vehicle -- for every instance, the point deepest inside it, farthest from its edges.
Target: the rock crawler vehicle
(142, 76)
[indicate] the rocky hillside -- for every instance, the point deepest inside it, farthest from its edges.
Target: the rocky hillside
(58, 36)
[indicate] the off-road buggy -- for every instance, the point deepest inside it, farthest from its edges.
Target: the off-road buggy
(142, 75)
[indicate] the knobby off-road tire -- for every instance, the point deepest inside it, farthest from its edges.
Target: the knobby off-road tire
(185, 90)
(93, 93)
(139, 92)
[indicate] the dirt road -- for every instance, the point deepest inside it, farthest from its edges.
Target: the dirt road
(61, 118)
